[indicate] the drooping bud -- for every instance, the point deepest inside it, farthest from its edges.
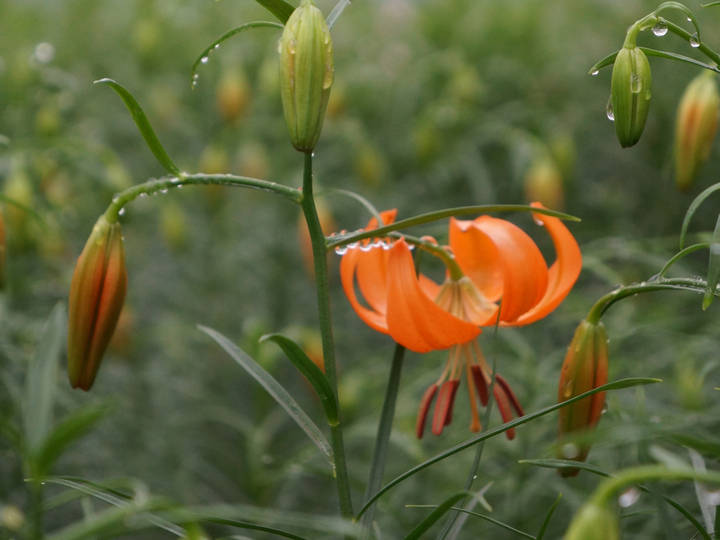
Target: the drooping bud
(97, 293)
(695, 127)
(630, 94)
(585, 368)
(594, 522)
(306, 74)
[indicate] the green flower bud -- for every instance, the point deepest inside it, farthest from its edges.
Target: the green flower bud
(630, 94)
(697, 118)
(306, 74)
(594, 522)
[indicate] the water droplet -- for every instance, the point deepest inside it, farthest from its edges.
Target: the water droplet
(44, 52)
(474, 476)
(629, 497)
(279, 47)
(595, 72)
(175, 180)
(568, 389)
(353, 245)
(342, 250)
(604, 408)
(694, 41)
(115, 198)
(204, 59)
(660, 29)
(121, 212)
(635, 83)
(609, 110)
(216, 47)
(366, 247)
(570, 451)
(163, 191)
(538, 221)
(689, 19)
(143, 195)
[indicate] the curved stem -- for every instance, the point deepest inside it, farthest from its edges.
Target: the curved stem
(447, 258)
(317, 239)
(607, 489)
(675, 284)
(163, 184)
(383, 434)
(680, 31)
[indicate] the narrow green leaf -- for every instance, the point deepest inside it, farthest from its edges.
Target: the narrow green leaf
(275, 389)
(143, 125)
(680, 254)
(610, 59)
(41, 380)
(312, 373)
(73, 427)
(548, 517)
(713, 273)
(570, 464)
(693, 208)
(359, 198)
(281, 9)
(205, 55)
(118, 499)
(436, 514)
(494, 521)
(615, 385)
(710, 4)
(336, 12)
(341, 239)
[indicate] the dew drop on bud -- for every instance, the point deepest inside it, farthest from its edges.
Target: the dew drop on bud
(570, 451)
(609, 111)
(595, 72)
(628, 497)
(635, 83)
(660, 29)
(694, 42)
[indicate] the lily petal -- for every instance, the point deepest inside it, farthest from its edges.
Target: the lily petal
(562, 274)
(414, 320)
(501, 259)
(348, 265)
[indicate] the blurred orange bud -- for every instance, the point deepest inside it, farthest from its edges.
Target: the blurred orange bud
(544, 183)
(370, 165)
(327, 223)
(695, 127)
(233, 95)
(173, 226)
(97, 293)
(585, 368)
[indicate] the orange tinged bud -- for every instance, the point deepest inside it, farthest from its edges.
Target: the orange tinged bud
(585, 368)
(544, 183)
(695, 128)
(97, 293)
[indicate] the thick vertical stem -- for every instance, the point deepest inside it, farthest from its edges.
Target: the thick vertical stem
(36, 510)
(319, 250)
(383, 434)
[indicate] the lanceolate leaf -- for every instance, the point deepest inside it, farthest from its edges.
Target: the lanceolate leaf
(275, 389)
(610, 60)
(227, 35)
(615, 385)
(713, 273)
(311, 372)
(41, 380)
(436, 514)
(693, 208)
(143, 125)
(281, 9)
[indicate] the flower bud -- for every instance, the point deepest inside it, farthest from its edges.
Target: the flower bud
(306, 74)
(585, 368)
(594, 522)
(630, 94)
(97, 293)
(695, 127)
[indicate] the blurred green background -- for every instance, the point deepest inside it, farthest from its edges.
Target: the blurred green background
(436, 103)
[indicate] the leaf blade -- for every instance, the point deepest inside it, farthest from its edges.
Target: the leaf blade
(281, 9)
(436, 514)
(275, 389)
(143, 125)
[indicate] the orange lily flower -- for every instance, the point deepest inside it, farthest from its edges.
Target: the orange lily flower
(500, 278)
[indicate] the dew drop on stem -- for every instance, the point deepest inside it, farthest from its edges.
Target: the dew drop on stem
(694, 41)
(660, 29)
(628, 497)
(595, 72)
(204, 59)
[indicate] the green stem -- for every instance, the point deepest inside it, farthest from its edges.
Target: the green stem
(675, 284)
(687, 36)
(383, 434)
(319, 250)
(163, 184)
(36, 509)
(636, 475)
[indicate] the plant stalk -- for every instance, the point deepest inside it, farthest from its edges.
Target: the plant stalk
(319, 250)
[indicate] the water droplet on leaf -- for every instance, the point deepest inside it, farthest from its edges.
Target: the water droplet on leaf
(609, 111)
(595, 72)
